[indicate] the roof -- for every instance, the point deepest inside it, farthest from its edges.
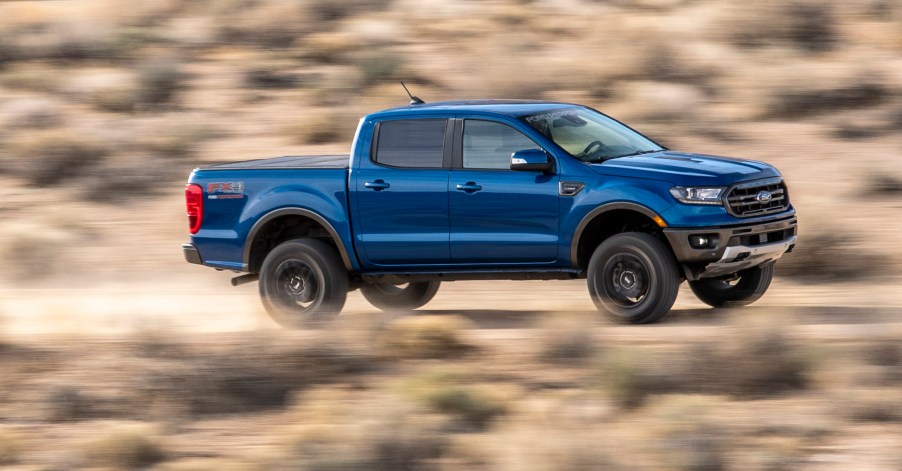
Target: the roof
(506, 107)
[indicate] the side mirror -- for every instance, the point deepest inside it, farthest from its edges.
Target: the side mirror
(532, 160)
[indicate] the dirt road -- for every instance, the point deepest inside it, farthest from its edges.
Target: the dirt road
(860, 308)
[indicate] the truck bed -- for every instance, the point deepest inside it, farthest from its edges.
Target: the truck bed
(288, 161)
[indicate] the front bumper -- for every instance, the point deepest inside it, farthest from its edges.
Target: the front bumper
(731, 249)
(191, 254)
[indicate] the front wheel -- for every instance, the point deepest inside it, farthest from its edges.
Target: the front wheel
(406, 296)
(746, 288)
(303, 281)
(634, 278)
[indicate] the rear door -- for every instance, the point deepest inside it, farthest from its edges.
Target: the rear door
(500, 216)
(402, 194)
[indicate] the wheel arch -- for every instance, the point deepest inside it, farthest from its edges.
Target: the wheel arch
(607, 220)
(298, 222)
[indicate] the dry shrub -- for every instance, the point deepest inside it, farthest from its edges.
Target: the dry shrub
(568, 341)
(759, 364)
(551, 441)
(176, 141)
(130, 176)
(51, 157)
(122, 445)
(425, 337)
(331, 47)
(802, 100)
(39, 251)
(398, 444)
(884, 184)
(472, 406)
(156, 84)
(685, 434)
(34, 113)
(37, 79)
(68, 404)
(263, 76)
(804, 24)
(629, 376)
(268, 23)
(10, 447)
(234, 382)
(159, 82)
(873, 405)
(830, 254)
(118, 99)
(321, 128)
(883, 353)
(379, 66)
(330, 11)
(338, 434)
(58, 39)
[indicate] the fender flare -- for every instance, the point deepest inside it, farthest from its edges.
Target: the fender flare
(294, 211)
(598, 211)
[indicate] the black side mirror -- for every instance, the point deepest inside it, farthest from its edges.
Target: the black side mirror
(536, 160)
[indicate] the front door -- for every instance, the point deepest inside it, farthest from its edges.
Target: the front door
(501, 216)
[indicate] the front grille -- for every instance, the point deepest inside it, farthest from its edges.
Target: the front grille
(749, 199)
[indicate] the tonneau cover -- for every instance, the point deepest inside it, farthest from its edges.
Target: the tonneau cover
(288, 161)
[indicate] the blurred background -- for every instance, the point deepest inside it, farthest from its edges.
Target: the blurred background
(115, 353)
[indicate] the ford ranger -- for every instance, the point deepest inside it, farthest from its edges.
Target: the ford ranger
(491, 189)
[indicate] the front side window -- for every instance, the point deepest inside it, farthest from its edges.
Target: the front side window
(590, 136)
(489, 145)
(411, 143)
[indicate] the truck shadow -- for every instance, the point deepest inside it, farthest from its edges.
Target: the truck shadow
(797, 315)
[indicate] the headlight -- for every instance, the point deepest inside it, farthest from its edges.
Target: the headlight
(698, 195)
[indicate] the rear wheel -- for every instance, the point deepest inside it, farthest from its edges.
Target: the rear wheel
(747, 287)
(303, 281)
(405, 296)
(633, 277)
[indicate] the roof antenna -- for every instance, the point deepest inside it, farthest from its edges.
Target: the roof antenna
(413, 100)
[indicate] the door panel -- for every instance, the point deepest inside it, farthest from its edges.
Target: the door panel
(407, 222)
(402, 195)
(500, 216)
(512, 219)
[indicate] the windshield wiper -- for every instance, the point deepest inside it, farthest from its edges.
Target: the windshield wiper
(638, 152)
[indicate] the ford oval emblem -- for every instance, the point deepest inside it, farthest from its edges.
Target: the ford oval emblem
(764, 196)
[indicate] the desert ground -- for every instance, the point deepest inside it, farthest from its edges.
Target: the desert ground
(116, 354)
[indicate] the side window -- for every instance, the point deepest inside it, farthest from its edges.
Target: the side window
(411, 143)
(490, 145)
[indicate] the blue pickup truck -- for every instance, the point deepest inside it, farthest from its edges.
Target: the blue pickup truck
(491, 189)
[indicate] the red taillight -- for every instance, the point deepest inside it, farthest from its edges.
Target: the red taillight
(194, 199)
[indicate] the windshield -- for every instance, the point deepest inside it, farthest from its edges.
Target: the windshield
(590, 136)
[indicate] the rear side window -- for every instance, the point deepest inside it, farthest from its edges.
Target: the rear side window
(489, 145)
(411, 143)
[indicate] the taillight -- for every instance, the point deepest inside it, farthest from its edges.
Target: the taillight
(194, 199)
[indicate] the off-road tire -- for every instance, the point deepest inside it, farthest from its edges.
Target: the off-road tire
(633, 278)
(751, 285)
(404, 297)
(303, 282)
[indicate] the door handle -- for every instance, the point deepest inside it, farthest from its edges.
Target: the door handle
(469, 187)
(377, 185)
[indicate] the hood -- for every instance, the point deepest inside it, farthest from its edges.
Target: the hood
(686, 169)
